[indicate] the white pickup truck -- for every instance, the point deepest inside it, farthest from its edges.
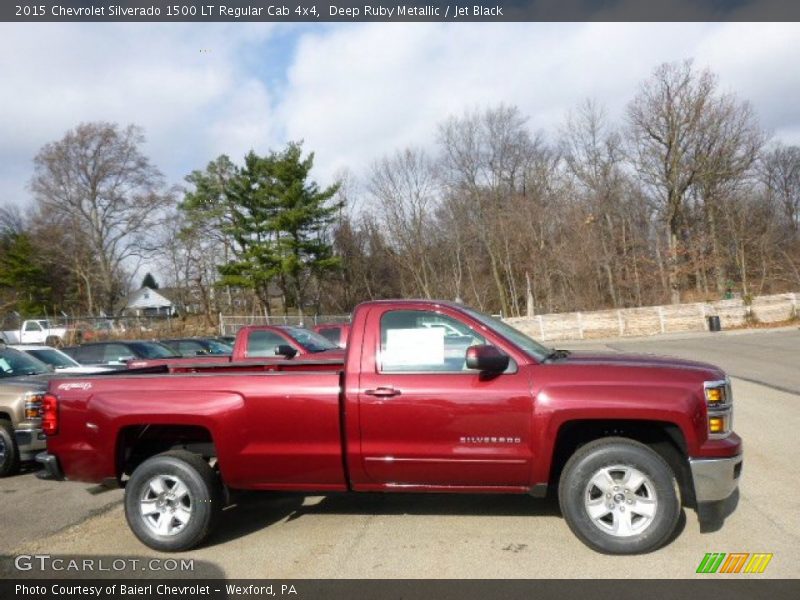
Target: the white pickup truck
(36, 331)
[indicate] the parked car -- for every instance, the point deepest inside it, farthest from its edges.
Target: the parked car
(58, 360)
(22, 387)
(36, 331)
(623, 440)
(118, 352)
(187, 347)
(334, 332)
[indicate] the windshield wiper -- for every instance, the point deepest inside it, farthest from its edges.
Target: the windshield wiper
(557, 353)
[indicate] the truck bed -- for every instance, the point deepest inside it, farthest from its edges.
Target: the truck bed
(274, 425)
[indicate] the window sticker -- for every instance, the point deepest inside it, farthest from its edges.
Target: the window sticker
(418, 346)
(5, 366)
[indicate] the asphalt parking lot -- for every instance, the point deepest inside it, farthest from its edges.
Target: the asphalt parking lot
(439, 536)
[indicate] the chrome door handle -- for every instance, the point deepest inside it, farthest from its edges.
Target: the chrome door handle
(383, 392)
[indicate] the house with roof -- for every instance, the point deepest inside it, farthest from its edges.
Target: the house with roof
(147, 302)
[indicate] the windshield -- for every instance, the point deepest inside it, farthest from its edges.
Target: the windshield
(49, 356)
(529, 345)
(14, 363)
(311, 341)
(152, 350)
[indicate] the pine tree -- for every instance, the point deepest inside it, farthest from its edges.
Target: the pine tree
(150, 282)
(274, 218)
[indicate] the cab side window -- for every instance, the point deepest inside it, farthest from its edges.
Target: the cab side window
(262, 343)
(89, 354)
(332, 334)
(116, 353)
(420, 341)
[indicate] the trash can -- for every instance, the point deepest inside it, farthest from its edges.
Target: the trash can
(714, 323)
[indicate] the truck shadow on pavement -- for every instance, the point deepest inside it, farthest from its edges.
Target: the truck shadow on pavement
(253, 511)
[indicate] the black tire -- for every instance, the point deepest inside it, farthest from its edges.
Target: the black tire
(618, 532)
(204, 499)
(9, 453)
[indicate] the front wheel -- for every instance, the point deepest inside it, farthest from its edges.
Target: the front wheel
(619, 497)
(172, 501)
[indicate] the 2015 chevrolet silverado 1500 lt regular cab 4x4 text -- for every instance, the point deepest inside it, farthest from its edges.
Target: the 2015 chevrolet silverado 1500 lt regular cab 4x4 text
(431, 397)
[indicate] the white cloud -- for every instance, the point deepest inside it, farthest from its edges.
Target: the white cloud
(183, 83)
(354, 92)
(357, 92)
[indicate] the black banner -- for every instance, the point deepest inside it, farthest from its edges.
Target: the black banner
(381, 589)
(399, 10)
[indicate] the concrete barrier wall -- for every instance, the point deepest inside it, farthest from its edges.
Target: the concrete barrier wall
(653, 320)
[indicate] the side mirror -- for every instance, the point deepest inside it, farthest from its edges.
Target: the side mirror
(486, 359)
(285, 350)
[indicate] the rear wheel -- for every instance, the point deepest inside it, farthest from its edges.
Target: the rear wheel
(172, 501)
(619, 497)
(9, 453)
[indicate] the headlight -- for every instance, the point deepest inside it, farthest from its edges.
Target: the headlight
(718, 393)
(719, 403)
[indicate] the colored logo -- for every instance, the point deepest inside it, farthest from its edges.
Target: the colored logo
(735, 562)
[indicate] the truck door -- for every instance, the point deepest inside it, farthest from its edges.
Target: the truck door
(425, 419)
(33, 333)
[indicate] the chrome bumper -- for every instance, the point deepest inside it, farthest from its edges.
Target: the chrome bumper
(715, 479)
(52, 469)
(30, 442)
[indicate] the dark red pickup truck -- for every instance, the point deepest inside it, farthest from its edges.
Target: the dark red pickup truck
(432, 397)
(259, 343)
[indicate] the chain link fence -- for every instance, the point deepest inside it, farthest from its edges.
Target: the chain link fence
(230, 324)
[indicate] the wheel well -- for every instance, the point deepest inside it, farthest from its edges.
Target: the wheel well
(664, 438)
(5, 416)
(137, 443)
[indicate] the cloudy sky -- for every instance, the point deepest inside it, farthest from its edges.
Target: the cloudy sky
(353, 92)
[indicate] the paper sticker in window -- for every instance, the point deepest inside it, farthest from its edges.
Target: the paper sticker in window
(413, 347)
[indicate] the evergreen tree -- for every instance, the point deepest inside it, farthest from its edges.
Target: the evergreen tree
(303, 214)
(273, 217)
(150, 282)
(23, 275)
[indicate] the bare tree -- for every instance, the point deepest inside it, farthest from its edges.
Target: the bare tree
(485, 159)
(594, 157)
(667, 133)
(780, 172)
(96, 181)
(406, 196)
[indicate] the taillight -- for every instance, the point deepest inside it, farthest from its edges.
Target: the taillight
(33, 405)
(50, 414)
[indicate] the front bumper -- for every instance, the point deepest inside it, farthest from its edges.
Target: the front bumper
(30, 442)
(715, 479)
(716, 488)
